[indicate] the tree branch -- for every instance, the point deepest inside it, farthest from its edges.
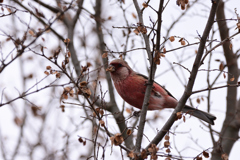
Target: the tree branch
(113, 109)
(151, 73)
(230, 129)
(192, 78)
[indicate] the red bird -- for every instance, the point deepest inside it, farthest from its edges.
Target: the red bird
(131, 86)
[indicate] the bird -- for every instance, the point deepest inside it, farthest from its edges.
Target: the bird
(131, 86)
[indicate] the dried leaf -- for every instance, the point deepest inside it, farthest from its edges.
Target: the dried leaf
(101, 112)
(142, 29)
(232, 79)
(153, 150)
(35, 110)
(117, 139)
(238, 25)
(84, 69)
(65, 96)
(32, 33)
(129, 132)
(179, 115)
(183, 43)
(48, 67)
(168, 150)
(110, 69)
(97, 110)
(94, 114)
(144, 154)
(180, 40)
(145, 5)
(205, 154)
(71, 93)
(172, 38)
(87, 92)
(102, 123)
(162, 55)
(134, 15)
(136, 31)
(199, 158)
(83, 84)
(121, 56)
(167, 137)
(157, 57)
(9, 10)
(67, 89)
(67, 40)
(8, 39)
(230, 46)
(69, 54)
(128, 110)
(184, 119)
(58, 75)
(221, 66)
(46, 72)
(105, 55)
(63, 108)
(164, 50)
(183, 6)
(198, 100)
(130, 154)
(89, 64)
(178, 2)
(18, 121)
(166, 144)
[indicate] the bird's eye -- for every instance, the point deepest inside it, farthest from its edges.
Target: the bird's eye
(120, 65)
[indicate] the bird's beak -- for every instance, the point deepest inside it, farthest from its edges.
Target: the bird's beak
(110, 68)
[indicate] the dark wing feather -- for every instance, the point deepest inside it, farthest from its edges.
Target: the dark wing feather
(145, 77)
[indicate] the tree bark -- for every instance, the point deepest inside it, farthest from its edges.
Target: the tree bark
(229, 132)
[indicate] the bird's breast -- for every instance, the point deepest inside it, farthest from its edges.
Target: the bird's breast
(132, 90)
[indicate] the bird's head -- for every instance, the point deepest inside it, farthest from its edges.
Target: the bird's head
(119, 69)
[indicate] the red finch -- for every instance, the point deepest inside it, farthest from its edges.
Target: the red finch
(131, 86)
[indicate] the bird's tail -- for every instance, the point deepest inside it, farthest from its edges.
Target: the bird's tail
(207, 117)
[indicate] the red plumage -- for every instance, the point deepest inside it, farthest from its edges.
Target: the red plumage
(131, 87)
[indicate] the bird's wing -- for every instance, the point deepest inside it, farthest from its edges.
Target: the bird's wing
(145, 77)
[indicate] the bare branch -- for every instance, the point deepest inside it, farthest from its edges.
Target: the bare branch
(191, 81)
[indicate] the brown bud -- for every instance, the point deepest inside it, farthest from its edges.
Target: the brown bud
(167, 137)
(48, 67)
(166, 144)
(46, 72)
(221, 66)
(205, 154)
(102, 123)
(129, 132)
(58, 75)
(183, 43)
(145, 5)
(105, 55)
(172, 38)
(117, 139)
